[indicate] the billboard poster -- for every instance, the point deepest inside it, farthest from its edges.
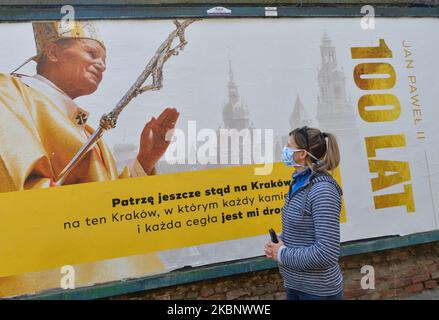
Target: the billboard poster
(191, 174)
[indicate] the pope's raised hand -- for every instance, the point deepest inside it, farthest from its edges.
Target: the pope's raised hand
(155, 138)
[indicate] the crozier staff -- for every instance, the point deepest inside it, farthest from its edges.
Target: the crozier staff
(41, 125)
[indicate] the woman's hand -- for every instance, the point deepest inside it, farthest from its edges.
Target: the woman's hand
(271, 249)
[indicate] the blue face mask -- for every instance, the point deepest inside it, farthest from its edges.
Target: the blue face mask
(288, 157)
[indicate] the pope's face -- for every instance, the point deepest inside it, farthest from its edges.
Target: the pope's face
(82, 62)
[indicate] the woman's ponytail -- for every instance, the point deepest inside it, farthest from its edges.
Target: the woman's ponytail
(331, 159)
(321, 145)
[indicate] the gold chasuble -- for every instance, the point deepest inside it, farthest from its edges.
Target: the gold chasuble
(40, 132)
(38, 140)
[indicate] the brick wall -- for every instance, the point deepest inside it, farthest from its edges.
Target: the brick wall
(398, 273)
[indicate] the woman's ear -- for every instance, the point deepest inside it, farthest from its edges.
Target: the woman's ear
(302, 154)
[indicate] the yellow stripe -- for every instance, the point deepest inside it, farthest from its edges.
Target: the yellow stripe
(33, 237)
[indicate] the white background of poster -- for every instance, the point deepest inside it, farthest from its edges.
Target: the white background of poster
(273, 62)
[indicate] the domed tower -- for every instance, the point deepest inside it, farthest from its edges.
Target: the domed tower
(235, 113)
(236, 118)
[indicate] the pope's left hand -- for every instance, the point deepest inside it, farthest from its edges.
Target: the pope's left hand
(271, 249)
(155, 138)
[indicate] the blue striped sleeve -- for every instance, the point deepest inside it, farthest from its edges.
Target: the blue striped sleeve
(324, 252)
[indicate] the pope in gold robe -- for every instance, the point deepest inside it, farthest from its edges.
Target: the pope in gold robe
(42, 128)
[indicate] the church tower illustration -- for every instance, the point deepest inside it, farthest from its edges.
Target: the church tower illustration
(334, 110)
(335, 114)
(299, 117)
(236, 118)
(235, 113)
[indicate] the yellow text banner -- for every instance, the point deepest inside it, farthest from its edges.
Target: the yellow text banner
(74, 224)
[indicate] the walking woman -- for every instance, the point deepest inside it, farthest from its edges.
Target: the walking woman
(309, 245)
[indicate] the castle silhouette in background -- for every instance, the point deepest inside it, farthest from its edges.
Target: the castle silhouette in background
(334, 114)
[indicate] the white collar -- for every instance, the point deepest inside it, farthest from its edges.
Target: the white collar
(66, 104)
